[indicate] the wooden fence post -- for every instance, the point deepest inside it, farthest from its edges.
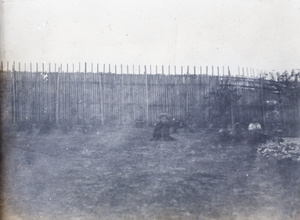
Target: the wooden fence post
(103, 90)
(57, 99)
(134, 95)
(14, 93)
(187, 93)
(262, 98)
(84, 89)
(147, 97)
(100, 96)
(122, 118)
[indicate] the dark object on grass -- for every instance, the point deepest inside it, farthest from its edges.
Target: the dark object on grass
(66, 126)
(190, 125)
(46, 126)
(224, 136)
(85, 129)
(257, 137)
(232, 136)
(229, 136)
(162, 129)
(25, 125)
(176, 124)
(139, 122)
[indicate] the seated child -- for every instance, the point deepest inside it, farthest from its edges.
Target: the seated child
(256, 134)
(162, 129)
(254, 125)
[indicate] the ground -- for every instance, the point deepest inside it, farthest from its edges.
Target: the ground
(118, 173)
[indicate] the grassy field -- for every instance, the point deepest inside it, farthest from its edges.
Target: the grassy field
(118, 173)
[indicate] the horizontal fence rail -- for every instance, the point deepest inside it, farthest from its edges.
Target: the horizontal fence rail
(111, 98)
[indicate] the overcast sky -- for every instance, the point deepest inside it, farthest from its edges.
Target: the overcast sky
(262, 34)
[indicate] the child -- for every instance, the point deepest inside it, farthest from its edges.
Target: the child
(162, 128)
(256, 135)
(254, 125)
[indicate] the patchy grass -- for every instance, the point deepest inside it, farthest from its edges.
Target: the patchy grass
(118, 173)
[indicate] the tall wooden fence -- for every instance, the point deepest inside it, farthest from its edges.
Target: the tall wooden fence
(110, 98)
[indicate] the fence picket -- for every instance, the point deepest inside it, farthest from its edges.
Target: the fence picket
(57, 99)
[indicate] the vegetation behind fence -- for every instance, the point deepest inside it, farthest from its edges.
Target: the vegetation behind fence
(119, 99)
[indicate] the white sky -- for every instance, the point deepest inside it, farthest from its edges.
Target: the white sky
(263, 34)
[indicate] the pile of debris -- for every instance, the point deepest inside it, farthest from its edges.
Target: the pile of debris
(289, 148)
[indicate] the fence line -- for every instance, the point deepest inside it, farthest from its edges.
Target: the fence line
(118, 69)
(120, 98)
